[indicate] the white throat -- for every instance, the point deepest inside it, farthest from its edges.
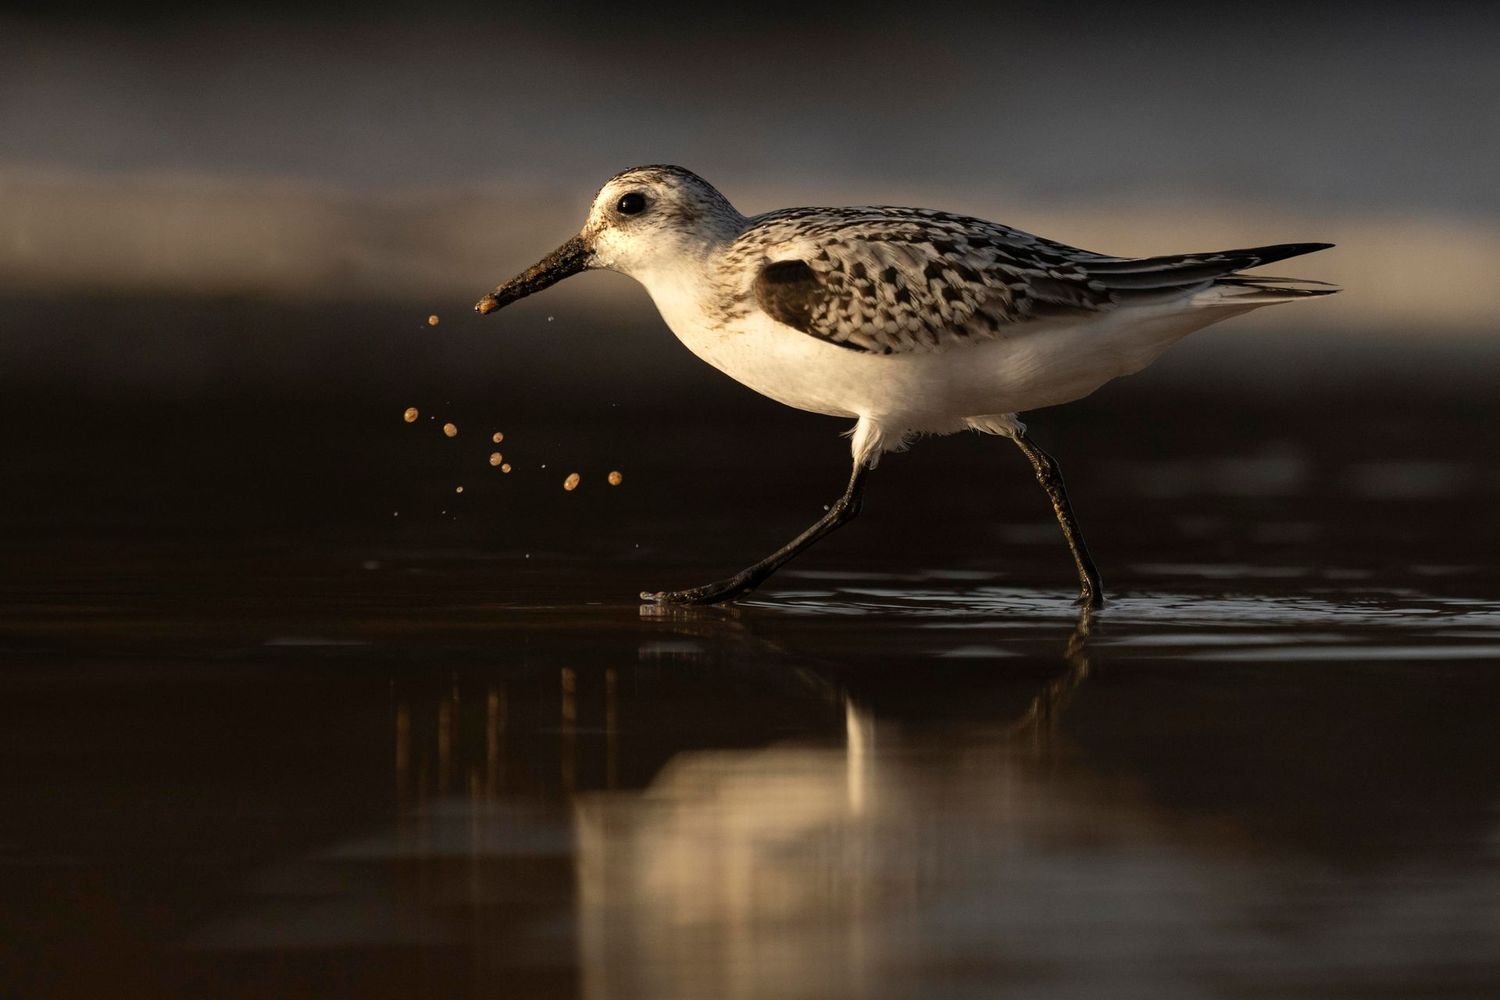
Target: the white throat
(679, 291)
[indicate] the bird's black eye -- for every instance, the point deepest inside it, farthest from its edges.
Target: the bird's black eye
(633, 203)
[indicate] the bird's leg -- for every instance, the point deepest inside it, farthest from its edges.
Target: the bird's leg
(844, 510)
(1091, 593)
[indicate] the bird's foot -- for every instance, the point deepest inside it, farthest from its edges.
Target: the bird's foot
(710, 593)
(1089, 598)
(676, 597)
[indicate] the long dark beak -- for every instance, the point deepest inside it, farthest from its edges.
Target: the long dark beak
(568, 259)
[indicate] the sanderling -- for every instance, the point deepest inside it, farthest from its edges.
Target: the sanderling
(908, 320)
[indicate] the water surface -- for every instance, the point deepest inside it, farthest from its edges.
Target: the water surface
(284, 715)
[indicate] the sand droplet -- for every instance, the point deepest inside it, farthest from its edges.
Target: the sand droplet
(496, 458)
(571, 483)
(615, 479)
(505, 467)
(411, 415)
(458, 489)
(450, 430)
(432, 320)
(497, 437)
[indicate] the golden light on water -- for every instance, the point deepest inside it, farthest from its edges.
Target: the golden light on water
(842, 857)
(859, 740)
(821, 853)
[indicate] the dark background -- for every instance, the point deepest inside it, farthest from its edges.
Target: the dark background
(249, 629)
(221, 230)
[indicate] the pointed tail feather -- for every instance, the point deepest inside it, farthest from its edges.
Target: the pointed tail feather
(1223, 261)
(1267, 290)
(1215, 275)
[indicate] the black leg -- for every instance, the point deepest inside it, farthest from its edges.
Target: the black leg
(842, 512)
(1091, 594)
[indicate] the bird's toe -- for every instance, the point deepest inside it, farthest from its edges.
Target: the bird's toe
(1091, 599)
(675, 597)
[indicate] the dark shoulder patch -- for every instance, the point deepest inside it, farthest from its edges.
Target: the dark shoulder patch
(788, 290)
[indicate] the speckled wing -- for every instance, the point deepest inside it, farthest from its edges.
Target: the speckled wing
(895, 281)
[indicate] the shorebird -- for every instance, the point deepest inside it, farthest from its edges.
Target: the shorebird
(908, 320)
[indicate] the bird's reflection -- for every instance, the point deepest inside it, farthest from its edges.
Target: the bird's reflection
(797, 866)
(747, 803)
(1039, 722)
(723, 799)
(735, 810)
(458, 736)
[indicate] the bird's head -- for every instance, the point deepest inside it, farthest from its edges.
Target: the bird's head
(643, 220)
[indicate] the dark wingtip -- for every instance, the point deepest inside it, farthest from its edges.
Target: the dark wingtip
(1282, 251)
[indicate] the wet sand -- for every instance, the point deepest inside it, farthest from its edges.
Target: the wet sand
(264, 738)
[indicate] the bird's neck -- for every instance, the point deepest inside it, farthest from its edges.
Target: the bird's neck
(684, 282)
(690, 269)
(677, 289)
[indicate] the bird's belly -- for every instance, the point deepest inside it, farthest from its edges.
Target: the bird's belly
(775, 363)
(933, 391)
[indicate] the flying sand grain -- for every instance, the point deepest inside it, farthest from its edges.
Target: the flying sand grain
(450, 430)
(411, 415)
(571, 483)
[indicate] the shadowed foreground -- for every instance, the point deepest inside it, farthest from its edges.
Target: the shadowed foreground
(283, 714)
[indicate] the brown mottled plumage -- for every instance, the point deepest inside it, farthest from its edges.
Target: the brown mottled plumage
(900, 280)
(907, 319)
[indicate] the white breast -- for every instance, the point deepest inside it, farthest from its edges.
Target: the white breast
(1043, 365)
(774, 360)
